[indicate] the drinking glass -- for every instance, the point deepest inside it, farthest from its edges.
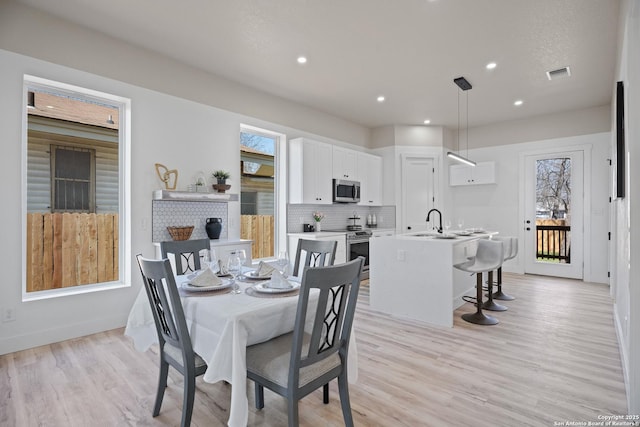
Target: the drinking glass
(205, 261)
(283, 263)
(213, 261)
(460, 223)
(234, 265)
(447, 225)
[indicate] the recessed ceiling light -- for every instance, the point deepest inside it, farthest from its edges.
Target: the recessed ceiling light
(302, 59)
(518, 103)
(426, 122)
(491, 65)
(380, 98)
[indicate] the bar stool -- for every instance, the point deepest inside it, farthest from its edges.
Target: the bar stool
(513, 251)
(489, 256)
(490, 304)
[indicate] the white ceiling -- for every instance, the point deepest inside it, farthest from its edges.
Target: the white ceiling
(407, 50)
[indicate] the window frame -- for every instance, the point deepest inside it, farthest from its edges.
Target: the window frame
(124, 184)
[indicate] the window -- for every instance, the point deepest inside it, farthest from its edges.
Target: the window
(72, 179)
(76, 190)
(262, 199)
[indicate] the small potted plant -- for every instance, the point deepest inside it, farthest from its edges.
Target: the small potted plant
(221, 176)
(317, 217)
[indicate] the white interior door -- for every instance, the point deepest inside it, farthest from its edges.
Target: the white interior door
(417, 192)
(554, 214)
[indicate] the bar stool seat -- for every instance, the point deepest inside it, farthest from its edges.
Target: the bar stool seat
(489, 256)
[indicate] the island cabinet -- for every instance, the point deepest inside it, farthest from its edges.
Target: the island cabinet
(345, 163)
(412, 276)
(310, 169)
(482, 173)
(370, 177)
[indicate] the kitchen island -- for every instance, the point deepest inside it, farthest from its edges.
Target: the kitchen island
(412, 275)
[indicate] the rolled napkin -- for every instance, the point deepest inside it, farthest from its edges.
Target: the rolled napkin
(206, 278)
(278, 281)
(264, 269)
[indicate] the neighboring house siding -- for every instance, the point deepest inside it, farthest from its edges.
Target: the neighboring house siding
(39, 172)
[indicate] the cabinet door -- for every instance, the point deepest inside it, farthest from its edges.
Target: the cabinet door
(482, 173)
(459, 175)
(344, 163)
(370, 177)
(324, 183)
(341, 249)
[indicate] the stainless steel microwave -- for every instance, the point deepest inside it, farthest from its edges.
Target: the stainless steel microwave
(346, 191)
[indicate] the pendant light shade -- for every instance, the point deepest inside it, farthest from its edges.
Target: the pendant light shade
(464, 85)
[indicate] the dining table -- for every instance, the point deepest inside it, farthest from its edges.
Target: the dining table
(221, 326)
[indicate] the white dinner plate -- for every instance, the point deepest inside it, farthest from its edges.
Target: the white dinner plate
(195, 273)
(445, 236)
(251, 275)
(264, 287)
(189, 287)
(476, 230)
(462, 233)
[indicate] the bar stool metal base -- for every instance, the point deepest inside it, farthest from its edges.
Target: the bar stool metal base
(493, 306)
(502, 296)
(479, 318)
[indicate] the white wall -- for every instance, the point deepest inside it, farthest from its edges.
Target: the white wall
(497, 206)
(626, 211)
(179, 133)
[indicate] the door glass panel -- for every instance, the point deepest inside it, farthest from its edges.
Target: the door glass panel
(553, 210)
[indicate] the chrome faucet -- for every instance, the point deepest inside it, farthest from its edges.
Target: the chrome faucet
(439, 214)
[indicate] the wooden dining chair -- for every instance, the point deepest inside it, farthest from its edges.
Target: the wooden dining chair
(173, 335)
(316, 253)
(295, 364)
(187, 251)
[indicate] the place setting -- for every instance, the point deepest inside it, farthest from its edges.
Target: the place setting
(272, 282)
(211, 278)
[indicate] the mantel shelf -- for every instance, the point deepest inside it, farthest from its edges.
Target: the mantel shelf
(187, 196)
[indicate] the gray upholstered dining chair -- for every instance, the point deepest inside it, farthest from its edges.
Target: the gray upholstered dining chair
(295, 364)
(187, 251)
(173, 335)
(316, 253)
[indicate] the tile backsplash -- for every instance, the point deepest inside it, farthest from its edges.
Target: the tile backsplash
(184, 213)
(337, 216)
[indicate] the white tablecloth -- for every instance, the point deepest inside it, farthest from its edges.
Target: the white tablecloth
(221, 327)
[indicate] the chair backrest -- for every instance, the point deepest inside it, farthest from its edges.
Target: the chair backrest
(507, 241)
(514, 248)
(159, 282)
(318, 253)
(186, 253)
(490, 253)
(338, 287)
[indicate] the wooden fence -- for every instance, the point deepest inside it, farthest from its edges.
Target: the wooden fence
(553, 240)
(70, 249)
(260, 229)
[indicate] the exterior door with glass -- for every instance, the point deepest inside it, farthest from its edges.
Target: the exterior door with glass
(554, 214)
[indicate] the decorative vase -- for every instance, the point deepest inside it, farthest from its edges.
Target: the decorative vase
(318, 226)
(222, 181)
(213, 227)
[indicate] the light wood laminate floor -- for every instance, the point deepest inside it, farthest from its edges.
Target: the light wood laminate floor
(552, 358)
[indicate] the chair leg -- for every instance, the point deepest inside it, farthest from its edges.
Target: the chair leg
(292, 411)
(490, 304)
(499, 294)
(162, 384)
(343, 388)
(325, 393)
(259, 396)
(187, 400)
(479, 317)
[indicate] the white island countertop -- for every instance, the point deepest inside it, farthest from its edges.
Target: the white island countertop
(412, 275)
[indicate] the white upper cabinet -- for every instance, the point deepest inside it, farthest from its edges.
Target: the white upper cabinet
(482, 173)
(370, 177)
(344, 163)
(310, 167)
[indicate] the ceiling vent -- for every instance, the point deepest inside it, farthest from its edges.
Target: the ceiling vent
(559, 73)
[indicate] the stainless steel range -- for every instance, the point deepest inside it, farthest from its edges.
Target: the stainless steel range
(358, 245)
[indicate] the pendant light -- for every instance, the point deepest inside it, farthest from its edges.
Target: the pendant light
(464, 85)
